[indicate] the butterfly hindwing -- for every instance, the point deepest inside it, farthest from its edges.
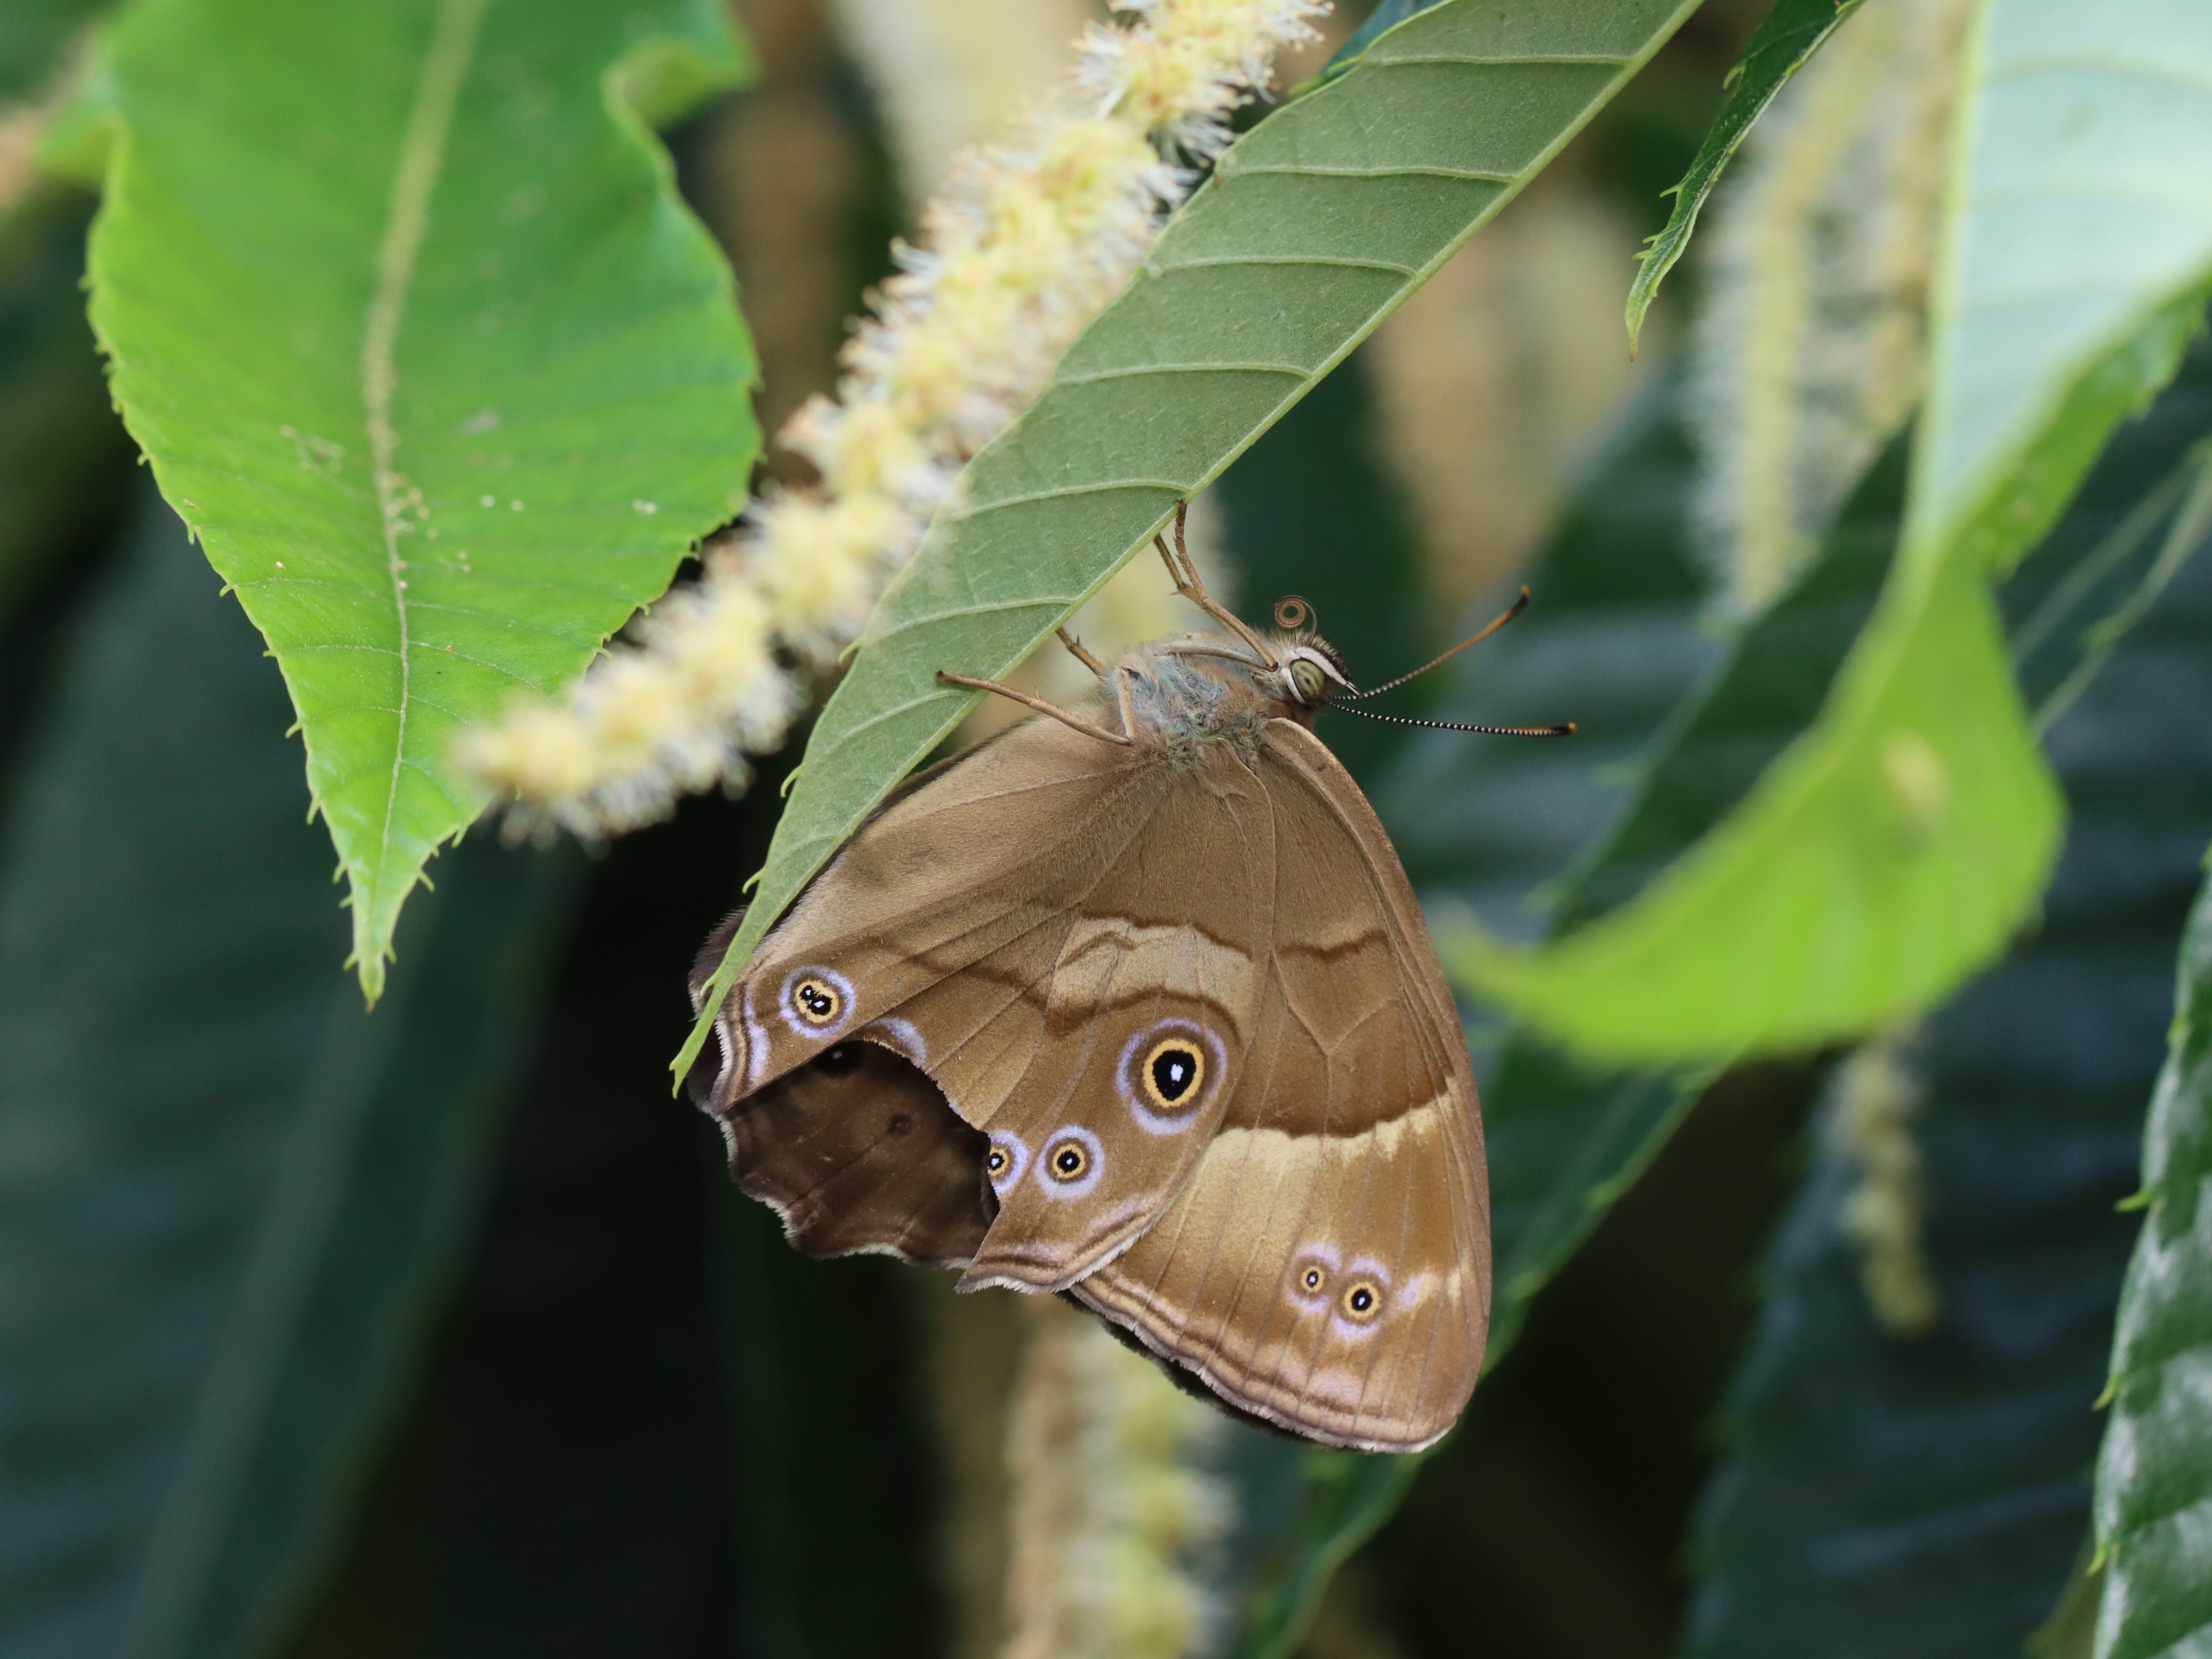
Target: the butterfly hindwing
(1326, 1265)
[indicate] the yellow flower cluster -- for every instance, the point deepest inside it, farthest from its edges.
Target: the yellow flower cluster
(1116, 1503)
(1026, 243)
(1877, 1096)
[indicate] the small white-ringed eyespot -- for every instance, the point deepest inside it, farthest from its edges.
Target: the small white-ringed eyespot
(1313, 1272)
(816, 1002)
(1362, 1297)
(1071, 1164)
(1004, 1164)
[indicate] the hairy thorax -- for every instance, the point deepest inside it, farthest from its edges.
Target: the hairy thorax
(1183, 693)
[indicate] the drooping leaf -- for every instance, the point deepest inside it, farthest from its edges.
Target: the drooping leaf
(229, 1193)
(1567, 1139)
(1784, 42)
(403, 307)
(1892, 1494)
(1893, 850)
(1314, 225)
(2154, 1500)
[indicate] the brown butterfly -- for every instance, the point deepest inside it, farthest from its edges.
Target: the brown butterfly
(1134, 1003)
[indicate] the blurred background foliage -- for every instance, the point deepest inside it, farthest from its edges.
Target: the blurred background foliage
(440, 1331)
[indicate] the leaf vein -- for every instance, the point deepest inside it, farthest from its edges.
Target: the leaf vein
(1058, 491)
(422, 154)
(1137, 371)
(1323, 261)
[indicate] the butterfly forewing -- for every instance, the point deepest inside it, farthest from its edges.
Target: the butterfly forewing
(1087, 1003)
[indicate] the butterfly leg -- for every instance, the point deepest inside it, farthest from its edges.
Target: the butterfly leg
(1081, 655)
(1075, 722)
(1183, 572)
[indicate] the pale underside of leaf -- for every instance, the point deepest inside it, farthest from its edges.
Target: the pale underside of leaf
(1316, 225)
(1894, 850)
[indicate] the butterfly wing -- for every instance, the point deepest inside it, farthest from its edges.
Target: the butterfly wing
(1326, 1267)
(1065, 936)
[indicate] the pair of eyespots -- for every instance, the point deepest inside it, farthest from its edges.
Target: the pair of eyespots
(1359, 1299)
(1072, 1161)
(1067, 1161)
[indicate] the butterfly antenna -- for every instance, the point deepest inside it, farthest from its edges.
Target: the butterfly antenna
(1518, 607)
(1567, 730)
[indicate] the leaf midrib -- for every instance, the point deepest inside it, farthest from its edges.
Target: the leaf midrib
(453, 35)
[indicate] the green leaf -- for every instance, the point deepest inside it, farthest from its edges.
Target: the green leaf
(2154, 1505)
(1783, 43)
(1893, 851)
(232, 1194)
(1313, 227)
(1339, 1500)
(1885, 1494)
(1566, 1141)
(403, 307)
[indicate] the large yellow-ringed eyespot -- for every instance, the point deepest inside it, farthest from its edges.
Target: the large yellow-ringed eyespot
(817, 1001)
(1168, 1071)
(1174, 1072)
(1068, 1161)
(997, 1161)
(1361, 1300)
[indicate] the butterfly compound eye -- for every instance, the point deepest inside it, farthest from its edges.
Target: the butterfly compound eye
(1307, 680)
(816, 1002)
